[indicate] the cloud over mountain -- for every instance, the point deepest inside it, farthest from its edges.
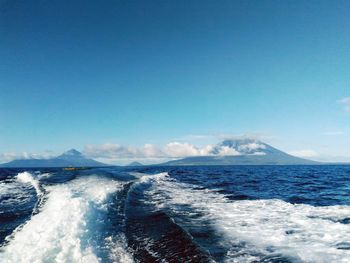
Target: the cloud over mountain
(170, 150)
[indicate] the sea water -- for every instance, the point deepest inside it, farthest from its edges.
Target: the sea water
(176, 214)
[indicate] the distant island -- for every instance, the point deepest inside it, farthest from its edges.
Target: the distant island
(244, 152)
(71, 158)
(236, 152)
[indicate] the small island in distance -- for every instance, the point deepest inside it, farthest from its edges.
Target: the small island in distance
(71, 158)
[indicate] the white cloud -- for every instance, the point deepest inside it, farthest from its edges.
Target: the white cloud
(150, 151)
(251, 147)
(117, 151)
(177, 149)
(304, 153)
(227, 151)
(171, 150)
(206, 150)
(345, 102)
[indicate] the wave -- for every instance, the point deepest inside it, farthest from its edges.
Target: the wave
(20, 197)
(13, 192)
(262, 230)
(144, 178)
(63, 230)
(26, 177)
(153, 235)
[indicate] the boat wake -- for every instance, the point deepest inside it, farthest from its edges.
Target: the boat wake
(259, 230)
(64, 230)
(162, 217)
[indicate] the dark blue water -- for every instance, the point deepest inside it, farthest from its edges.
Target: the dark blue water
(176, 214)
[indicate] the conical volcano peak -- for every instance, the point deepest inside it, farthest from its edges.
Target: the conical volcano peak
(71, 158)
(72, 152)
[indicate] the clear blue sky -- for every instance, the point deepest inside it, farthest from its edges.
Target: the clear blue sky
(76, 73)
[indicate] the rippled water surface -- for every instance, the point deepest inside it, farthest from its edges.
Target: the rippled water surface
(176, 214)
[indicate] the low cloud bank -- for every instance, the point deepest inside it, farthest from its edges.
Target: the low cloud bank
(170, 150)
(111, 152)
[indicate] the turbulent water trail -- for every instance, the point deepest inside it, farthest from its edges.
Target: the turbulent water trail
(113, 217)
(62, 230)
(263, 230)
(152, 234)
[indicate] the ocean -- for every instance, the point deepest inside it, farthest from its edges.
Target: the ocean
(176, 214)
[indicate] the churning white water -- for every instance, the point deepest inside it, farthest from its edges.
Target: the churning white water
(60, 232)
(263, 227)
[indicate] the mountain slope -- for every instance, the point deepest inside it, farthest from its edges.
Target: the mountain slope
(242, 152)
(135, 164)
(71, 158)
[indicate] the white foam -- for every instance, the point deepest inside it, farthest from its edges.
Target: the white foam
(44, 175)
(13, 193)
(303, 232)
(60, 232)
(154, 177)
(26, 177)
(118, 249)
(15, 190)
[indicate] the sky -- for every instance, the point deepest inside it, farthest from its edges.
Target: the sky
(96, 75)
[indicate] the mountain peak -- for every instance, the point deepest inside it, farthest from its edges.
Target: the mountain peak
(135, 164)
(71, 158)
(72, 152)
